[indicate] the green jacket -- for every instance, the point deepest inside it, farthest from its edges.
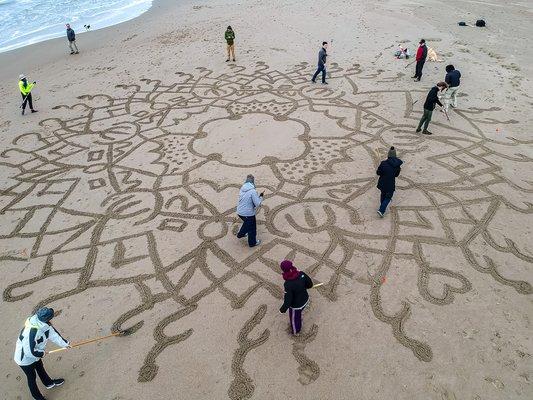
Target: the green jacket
(229, 36)
(25, 89)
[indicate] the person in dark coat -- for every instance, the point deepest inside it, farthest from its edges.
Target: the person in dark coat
(429, 106)
(296, 296)
(453, 80)
(71, 37)
(421, 55)
(322, 55)
(388, 170)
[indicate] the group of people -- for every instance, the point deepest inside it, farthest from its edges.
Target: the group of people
(38, 329)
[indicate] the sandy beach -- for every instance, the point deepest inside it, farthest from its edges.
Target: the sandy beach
(118, 201)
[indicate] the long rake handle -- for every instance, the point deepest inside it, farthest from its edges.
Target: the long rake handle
(84, 342)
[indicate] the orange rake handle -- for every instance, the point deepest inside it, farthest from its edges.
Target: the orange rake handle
(84, 342)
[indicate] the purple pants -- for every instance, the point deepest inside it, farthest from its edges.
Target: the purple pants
(295, 319)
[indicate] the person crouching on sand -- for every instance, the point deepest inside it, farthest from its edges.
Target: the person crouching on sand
(296, 296)
(230, 40)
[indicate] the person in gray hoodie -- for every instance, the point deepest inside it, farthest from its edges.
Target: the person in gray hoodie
(249, 200)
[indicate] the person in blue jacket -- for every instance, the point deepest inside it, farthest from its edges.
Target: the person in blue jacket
(388, 171)
(249, 200)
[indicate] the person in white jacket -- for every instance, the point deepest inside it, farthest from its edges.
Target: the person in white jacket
(249, 200)
(30, 347)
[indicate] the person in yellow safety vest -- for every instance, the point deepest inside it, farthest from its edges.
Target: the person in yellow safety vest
(30, 349)
(25, 91)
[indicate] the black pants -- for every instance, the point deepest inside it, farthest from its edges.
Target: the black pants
(30, 371)
(321, 68)
(418, 69)
(249, 227)
(26, 100)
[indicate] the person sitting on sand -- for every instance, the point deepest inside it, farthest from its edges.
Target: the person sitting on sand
(249, 200)
(296, 296)
(230, 39)
(25, 91)
(71, 37)
(429, 106)
(30, 347)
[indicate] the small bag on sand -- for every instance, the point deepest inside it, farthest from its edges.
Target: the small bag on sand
(480, 23)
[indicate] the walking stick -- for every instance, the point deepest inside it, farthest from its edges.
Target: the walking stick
(84, 342)
(411, 63)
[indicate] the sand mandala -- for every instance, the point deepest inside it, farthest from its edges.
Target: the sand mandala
(130, 174)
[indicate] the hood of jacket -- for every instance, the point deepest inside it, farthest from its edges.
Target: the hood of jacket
(395, 162)
(247, 187)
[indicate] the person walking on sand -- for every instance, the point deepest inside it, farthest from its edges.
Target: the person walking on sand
(429, 106)
(296, 296)
(421, 55)
(230, 40)
(25, 90)
(71, 37)
(388, 171)
(322, 55)
(453, 80)
(249, 200)
(30, 347)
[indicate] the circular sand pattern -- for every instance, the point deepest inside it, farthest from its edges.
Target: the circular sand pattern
(121, 184)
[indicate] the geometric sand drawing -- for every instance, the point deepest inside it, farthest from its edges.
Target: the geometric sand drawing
(164, 160)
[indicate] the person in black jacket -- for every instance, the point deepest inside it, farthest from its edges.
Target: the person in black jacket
(453, 80)
(431, 99)
(322, 55)
(71, 37)
(296, 297)
(388, 170)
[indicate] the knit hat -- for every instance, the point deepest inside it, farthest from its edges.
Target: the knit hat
(45, 314)
(22, 76)
(290, 272)
(392, 152)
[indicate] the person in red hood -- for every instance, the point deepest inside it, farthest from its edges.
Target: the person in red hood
(421, 55)
(296, 297)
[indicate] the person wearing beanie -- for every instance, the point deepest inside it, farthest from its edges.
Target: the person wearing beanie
(30, 349)
(25, 90)
(421, 55)
(249, 200)
(387, 171)
(296, 296)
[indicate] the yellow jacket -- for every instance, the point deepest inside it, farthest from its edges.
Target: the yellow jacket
(25, 89)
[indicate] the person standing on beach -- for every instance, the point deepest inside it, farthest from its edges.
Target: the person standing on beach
(249, 200)
(322, 55)
(429, 106)
(453, 79)
(30, 347)
(71, 37)
(421, 55)
(388, 171)
(230, 40)
(296, 297)
(25, 91)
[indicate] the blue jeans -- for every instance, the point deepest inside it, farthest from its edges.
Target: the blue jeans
(386, 197)
(321, 68)
(249, 227)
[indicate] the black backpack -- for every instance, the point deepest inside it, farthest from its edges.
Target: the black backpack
(480, 23)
